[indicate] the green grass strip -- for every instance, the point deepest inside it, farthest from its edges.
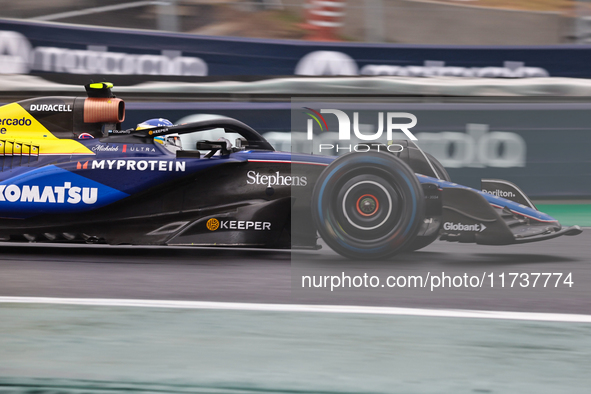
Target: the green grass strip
(568, 214)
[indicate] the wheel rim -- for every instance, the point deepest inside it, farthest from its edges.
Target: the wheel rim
(367, 205)
(362, 224)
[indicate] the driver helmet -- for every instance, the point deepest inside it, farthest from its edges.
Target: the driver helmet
(156, 122)
(172, 142)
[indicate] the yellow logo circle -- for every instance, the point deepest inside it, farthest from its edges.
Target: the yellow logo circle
(213, 224)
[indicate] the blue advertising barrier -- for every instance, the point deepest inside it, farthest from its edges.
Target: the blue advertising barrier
(38, 47)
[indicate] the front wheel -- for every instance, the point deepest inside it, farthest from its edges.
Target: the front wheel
(368, 205)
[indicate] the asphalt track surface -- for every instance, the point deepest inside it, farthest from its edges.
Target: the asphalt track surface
(255, 276)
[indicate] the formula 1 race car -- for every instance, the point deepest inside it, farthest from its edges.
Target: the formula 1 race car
(71, 174)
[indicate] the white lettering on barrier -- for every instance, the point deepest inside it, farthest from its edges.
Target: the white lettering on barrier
(478, 147)
(339, 63)
(18, 57)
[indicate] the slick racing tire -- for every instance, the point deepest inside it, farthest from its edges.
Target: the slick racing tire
(368, 205)
(421, 242)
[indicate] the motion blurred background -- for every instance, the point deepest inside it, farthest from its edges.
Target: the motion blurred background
(500, 88)
(467, 22)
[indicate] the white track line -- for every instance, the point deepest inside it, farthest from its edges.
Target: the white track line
(371, 310)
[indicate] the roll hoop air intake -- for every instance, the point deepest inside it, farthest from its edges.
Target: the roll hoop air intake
(101, 106)
(104, 110)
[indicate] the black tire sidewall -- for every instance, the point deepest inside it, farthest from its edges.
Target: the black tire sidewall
(396, 177)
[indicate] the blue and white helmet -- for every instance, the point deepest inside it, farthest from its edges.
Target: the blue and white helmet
(156, 122)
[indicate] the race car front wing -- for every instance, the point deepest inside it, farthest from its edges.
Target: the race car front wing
(468, 217)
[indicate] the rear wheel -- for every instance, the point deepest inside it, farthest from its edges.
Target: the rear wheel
(368, 205)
